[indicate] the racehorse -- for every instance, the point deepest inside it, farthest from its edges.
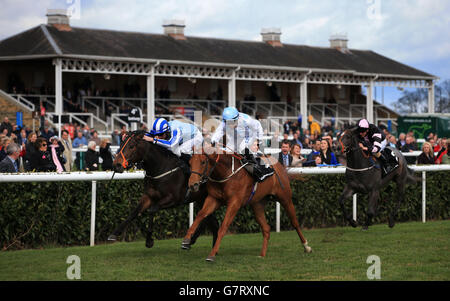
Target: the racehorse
(235, 188)
(165, 183)
(363, 176)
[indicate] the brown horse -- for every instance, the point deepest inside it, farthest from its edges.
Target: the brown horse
(235, 189)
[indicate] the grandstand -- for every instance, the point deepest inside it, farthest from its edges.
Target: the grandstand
(95, 76)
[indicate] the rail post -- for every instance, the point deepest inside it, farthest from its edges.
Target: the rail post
(424, 196)
(191, 214)
(93, 205)
(277, 217)
(355, 200)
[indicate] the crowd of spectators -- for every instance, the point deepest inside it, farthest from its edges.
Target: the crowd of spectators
(21, 149)
(322, 141)
(43, 150)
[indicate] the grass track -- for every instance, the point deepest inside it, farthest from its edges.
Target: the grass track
(410, 251)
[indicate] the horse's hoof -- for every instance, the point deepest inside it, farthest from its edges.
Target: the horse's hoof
(364, 228)
(150, 243)
(308, 249)
(211, 258)
(353, 223)
(186, 244)
(112, 237)
(391, 223)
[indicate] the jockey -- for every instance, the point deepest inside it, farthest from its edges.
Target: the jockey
(240, 129)
(242, 132)
(373, 141)
(178, 137)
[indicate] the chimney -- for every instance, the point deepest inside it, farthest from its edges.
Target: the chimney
(272, 36)
(59, 18)
(174, 29)
(339, 42)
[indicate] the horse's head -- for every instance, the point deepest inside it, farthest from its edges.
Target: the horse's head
(132, 150)
(347, 141)
(199, 171)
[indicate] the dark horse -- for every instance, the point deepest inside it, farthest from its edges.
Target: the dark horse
(165, 183)
(363, 176)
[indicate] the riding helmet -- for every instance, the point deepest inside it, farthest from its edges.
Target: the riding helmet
(160, 126)
(230, 113)
(363, 125)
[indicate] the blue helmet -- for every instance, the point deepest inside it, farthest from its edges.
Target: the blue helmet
(160, 126)
(230, 113)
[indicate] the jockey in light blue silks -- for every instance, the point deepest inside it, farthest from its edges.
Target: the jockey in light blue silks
(178, 137)
(242, 132)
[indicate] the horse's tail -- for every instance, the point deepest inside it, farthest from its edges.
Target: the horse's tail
(410, 177)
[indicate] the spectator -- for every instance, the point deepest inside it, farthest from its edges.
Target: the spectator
(445, 157)
(297, 158)
(401, 140)
(311, 159)
(307, 143)
(284, 157)
(105, 154)
(41, 159)
(79, 141)
(408, 147)
(65, 135)
(47, 133)
(3, 144)
(6, 125)
(326, 155)
(441, 147)
(296, 139)
(442, 152)
(57, 151)
(22, 137)
(29, 150)
(115, 138)
(95, 138)
(392, 141)
(427, 155)
(91, 157)
(10, 162)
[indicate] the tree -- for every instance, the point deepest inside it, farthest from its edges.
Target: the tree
(417, 101)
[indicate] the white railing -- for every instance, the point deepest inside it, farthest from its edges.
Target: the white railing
(19, 100)
(139, 175)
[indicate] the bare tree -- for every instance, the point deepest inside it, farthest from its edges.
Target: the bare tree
(417, 101)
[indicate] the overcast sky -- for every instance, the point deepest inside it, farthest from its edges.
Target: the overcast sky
(415, 32)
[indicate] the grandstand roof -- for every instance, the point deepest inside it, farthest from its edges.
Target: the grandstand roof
(48, 41)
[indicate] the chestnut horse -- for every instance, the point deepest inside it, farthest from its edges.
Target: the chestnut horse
(236, 189)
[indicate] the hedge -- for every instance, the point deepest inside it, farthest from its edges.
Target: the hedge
(39, 214)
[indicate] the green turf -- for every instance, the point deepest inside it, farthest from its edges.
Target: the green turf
(410, 251)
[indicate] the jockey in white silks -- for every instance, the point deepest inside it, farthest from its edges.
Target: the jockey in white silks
(241, 132)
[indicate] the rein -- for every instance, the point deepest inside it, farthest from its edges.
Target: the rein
(161, 175)
(205, 177)
(125, 164)
(351, 149)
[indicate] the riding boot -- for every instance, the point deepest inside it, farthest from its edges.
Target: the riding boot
(385, 165)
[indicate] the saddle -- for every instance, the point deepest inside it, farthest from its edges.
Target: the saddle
(258, 171)
(388, 160)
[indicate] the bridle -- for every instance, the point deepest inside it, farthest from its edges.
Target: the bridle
(124, 160)
(348, 150)
(206, 174)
